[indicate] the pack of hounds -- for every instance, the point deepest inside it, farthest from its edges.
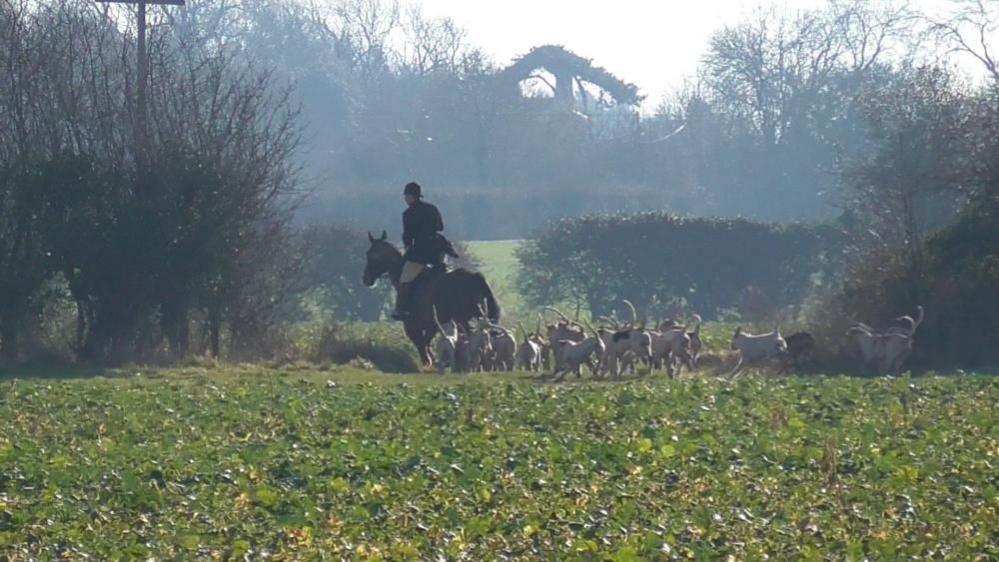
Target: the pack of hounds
(614, 348)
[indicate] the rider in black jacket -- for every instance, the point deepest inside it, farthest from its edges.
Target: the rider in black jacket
(421, 228)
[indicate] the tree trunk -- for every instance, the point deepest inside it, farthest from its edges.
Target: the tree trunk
(81, 327)
(214, 326)
(8, 341)
(183, 334)
(563, 91)
(174, 324)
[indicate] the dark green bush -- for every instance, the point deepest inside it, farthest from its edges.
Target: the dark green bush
(711, 264)
(334, 263)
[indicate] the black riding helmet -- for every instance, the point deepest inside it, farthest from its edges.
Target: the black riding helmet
(413, 188)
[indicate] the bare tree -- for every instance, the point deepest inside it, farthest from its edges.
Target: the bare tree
(432, 44)
(768, 68)
(972, 29)
(916, 124)
(872, 32)
(359, 28)
(15, 287)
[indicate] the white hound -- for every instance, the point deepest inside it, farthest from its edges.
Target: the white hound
(753, 348)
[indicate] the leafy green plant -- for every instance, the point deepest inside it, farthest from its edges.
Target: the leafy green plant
(227, 463)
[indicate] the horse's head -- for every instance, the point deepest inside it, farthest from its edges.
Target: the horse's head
(380, 258)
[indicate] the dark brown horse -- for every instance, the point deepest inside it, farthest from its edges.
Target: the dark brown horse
(458, 295)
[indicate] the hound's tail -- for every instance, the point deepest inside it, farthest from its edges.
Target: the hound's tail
(437, 321)
(696, 321)
(919, 319)
(492, 307)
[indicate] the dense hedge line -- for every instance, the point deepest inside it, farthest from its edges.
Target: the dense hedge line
(656, 258)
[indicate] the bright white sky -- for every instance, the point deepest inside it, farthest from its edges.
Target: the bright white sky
(652, 43)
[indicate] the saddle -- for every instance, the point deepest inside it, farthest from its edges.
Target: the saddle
(429, 273)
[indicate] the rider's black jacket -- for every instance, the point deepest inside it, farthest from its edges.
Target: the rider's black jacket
(421, 223)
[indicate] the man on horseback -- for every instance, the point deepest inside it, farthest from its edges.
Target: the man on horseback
(425, 246)
(458, 296)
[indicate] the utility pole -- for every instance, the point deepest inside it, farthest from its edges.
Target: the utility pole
(142, 78)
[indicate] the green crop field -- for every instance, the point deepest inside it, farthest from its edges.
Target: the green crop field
(254, 463)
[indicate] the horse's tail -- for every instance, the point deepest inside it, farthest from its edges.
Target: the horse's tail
(492, 307)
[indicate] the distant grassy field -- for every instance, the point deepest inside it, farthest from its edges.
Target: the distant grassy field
(500, 266)
(233, 464)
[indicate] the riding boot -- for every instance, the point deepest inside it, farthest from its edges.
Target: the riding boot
(402, 302)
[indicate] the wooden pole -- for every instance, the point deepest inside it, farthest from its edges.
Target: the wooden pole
(142, 81)
(142, 66)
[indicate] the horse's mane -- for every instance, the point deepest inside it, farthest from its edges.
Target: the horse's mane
(395, 248)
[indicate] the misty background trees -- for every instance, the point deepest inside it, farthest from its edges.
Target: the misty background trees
(281, 130)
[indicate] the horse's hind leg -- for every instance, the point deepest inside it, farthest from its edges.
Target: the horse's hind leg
(418, 337)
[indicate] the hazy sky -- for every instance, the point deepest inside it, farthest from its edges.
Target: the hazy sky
(653, 43)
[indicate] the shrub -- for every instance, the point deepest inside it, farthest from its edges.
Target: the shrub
(954, 277)
(652, 258)
(334, 263)
(383, 345)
